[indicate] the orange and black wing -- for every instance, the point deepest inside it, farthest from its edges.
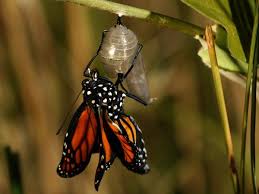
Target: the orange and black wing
(128, 143)
(80, 142)
(107, 155)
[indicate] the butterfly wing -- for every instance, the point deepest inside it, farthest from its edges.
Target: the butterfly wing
(129, 144)
(107, 155)
(79, 142)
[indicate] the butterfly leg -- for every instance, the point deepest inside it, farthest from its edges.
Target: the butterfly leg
(119, 82)
(134, 97)
(140, 46)
(122, 76)
(97, 53)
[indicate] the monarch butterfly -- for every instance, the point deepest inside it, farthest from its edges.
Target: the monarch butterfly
(120, 52)
(100, 125)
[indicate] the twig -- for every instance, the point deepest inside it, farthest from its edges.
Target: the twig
(222, 107)
(149, 16)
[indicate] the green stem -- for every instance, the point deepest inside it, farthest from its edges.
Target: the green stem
(246, 105)
(253, 124)
(149, 16)
(253, 106)
(222, 107)
(245, 15)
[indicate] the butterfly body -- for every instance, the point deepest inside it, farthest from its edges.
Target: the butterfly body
(100, 125)
(100, 92)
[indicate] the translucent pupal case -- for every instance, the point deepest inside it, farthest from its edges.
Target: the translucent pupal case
(119, 48)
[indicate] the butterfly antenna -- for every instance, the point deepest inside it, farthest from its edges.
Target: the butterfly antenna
(97, 53)
(68, 113)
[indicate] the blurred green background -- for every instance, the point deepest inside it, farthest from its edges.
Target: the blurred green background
(44, 46)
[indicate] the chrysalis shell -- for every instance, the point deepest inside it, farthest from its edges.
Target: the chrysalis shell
(117, 52)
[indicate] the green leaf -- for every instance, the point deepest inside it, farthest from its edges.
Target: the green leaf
(219, 11)
(221, 36)
(225, 61)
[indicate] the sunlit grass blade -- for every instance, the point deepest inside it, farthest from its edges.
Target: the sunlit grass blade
(254, 55)
(222, 107)
(246, 106)
(253, 123)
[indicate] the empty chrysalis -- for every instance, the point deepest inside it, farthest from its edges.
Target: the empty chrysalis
(120, 53)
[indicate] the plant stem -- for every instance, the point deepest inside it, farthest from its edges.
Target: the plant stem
(222, 107)
(246, 105)
(254, 54)
(253, 124)
(149, 16)
(13, 164)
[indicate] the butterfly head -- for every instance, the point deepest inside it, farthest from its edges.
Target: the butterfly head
(93, 74)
